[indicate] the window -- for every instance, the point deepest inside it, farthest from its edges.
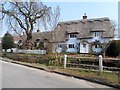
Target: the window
(73, 35)
(37, 40)
(59, 46)
(97, 46)
(71, 46)
(97, 34)
(84, 45)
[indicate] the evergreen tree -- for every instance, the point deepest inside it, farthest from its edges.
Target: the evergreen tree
(7, 41)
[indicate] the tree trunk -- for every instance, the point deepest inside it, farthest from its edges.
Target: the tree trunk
(29, 43)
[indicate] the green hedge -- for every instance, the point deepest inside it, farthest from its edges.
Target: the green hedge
(41, 59)
(114, 49)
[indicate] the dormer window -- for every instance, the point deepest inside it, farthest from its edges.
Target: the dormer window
(97, 34)
(72, 35)
(37, 40)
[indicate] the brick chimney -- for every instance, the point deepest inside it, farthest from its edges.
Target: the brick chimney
(85, 16)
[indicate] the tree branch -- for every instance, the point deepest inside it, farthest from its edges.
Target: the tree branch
(15, 29)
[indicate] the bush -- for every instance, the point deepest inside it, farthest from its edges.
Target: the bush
(41, 59)
(7, 41)
(114, 49)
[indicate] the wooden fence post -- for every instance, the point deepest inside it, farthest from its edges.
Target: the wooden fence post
(100, 64)
(65, 60)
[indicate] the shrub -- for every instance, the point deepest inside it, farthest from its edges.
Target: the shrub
(114, 49)
(7, 41)
(41, 59)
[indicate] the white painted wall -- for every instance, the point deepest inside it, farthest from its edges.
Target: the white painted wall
(59, 50)
(80, 48)
(96, 50)
(74, 41)
(9, 50)
(86, 50)
(102, 40)
(55, 47)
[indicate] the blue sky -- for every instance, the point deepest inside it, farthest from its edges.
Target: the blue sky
(75, 10)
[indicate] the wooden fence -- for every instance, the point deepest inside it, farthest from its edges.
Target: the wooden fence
(112, 64)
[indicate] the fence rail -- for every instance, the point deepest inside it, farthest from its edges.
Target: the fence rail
(98, 63)
(93, 58)
(95, 67)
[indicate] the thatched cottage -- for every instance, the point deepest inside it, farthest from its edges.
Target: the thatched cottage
(83, 36)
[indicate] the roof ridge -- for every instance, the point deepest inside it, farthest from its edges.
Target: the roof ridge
(69, 21)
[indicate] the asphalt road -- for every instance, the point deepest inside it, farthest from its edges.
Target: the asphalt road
(18, 76)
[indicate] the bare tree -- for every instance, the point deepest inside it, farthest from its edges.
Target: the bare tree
(23, 16)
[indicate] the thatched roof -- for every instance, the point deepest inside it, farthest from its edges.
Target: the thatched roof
(83, 27)
(42, 36)
(35, 35)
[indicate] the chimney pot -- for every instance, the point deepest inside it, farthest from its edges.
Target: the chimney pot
(85, 16)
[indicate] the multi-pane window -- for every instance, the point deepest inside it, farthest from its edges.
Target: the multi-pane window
(73, 35)
(71, 46)
(84, 45)
(97, 34)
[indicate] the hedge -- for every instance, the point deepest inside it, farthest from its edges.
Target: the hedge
(114, 49)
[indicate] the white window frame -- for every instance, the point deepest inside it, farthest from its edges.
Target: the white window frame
(97, 34)
(72, 36)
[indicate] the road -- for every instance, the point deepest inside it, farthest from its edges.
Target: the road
(18, 76)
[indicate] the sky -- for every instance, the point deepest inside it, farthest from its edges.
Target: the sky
(75, 11)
